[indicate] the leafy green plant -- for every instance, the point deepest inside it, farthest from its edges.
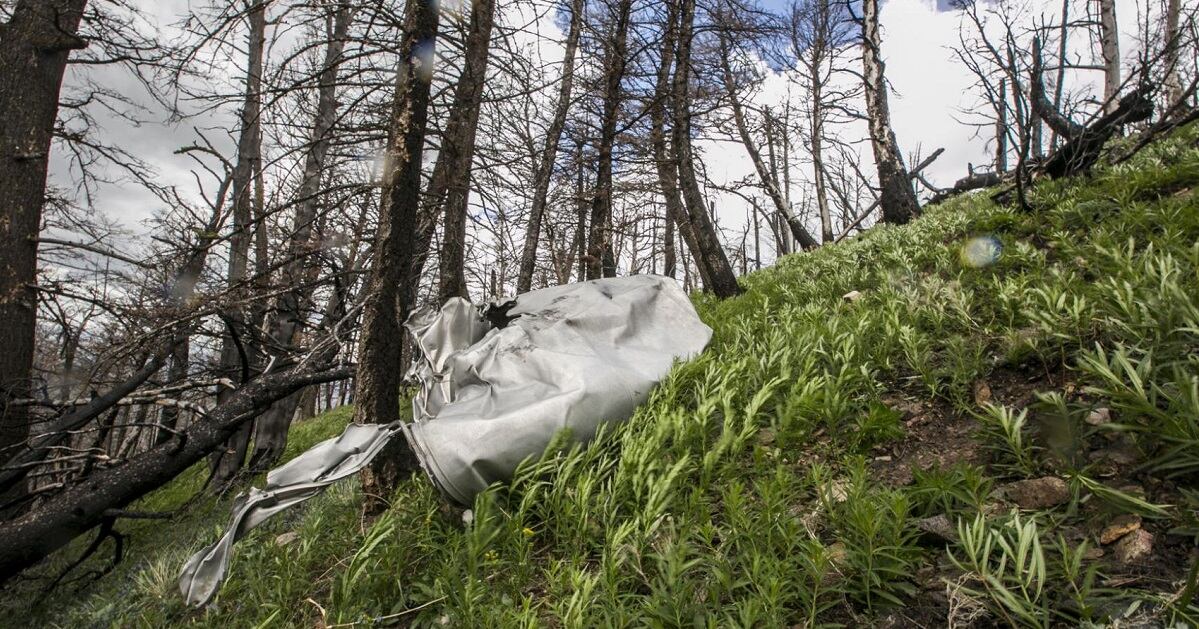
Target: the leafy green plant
(1009, 567)
(880, 550)
(949, 491)
(1004, 430)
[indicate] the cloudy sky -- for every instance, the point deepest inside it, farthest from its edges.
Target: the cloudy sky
(932, 95)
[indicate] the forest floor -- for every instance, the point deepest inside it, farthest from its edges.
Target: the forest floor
(987, 417)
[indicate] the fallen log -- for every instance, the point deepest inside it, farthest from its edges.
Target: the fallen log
(77, 509)
(1082, 150)
(973, 181)
(17, 463)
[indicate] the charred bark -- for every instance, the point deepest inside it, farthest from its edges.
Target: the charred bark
(52, 524)
(34, 47)
(226, 462)
(390, 289)
(896, 196)
(458, 148)
(600, 259)
(287, 316)
(1079, 153)
(709, 255)
(665, 164)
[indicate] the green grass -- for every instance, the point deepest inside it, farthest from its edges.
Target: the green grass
(741, 493)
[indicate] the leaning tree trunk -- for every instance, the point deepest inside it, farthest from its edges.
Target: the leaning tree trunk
(83, 505)
(395, 269)
(225, 463)
(458, 148)
(270, 430)
(1109, 45)
(545, 167)
(896, 196)
(601, 261)
(34, 45)
(719, 276)
(769, 180)
(668, 172)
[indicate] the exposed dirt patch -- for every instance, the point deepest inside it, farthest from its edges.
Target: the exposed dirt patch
(936, 436)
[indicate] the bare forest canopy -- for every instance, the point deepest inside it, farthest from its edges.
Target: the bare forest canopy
(306, 174)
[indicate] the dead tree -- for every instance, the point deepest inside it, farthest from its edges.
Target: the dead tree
(549, 153)
(234, 355)
(84, 505)
(287, 316)
(1081, 151)
(601, 261)
(818, 35)
(377, 384)
(36, 42)
(769, 179)
(710, 254)
(664, 164)
(1173, 85)
(458, 148)
(1109, 45)
(1001, 130)
(896, 196)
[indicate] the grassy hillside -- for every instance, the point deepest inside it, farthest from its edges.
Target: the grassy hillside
(1000, 427)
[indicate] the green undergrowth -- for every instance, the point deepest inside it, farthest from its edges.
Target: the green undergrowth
(758, 486)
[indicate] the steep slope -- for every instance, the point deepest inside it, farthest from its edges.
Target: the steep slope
(1000, 426)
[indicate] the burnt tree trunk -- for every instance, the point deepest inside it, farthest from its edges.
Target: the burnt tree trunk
(600, 258)
(581, 206)
(226, 462)
(1001, 129)
(666, 166)
(545, 167)
(458, 148)
(34, 46)
(390, 288)
(668, 252)
(83, 505)
(896, 196)
(710, 256)
(287, 317)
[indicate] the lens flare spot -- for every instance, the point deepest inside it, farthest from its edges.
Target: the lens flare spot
(981, 251)
(423, 58)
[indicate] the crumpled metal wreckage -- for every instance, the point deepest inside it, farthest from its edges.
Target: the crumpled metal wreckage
(496, 388)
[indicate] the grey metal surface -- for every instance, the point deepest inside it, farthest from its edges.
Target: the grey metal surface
(292, 483)
(574, 357)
